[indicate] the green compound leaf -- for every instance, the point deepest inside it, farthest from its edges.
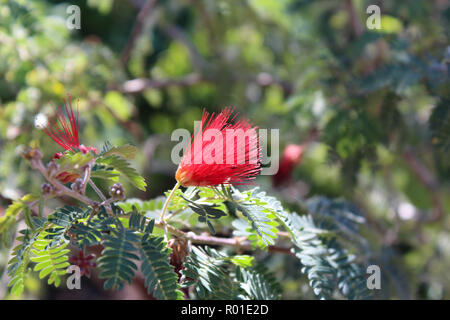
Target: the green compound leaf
(126, 151)
(258, 283)
(258, 210)
(103, 172)
(14, 209)
(160, 277)
(120, 164)
(117, 258)
(208, 271)
(74, 161)
(18, 264)
(206, 212)
(52, 261)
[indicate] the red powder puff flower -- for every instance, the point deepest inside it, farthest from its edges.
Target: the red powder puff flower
(221, 152)
(291, 157)
(84, 262)
(64, 131)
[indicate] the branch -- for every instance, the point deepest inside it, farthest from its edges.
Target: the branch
(36, 163)
(177, 34)
(137, 29)
(356, 26)
(428, 180)
(141, 84)
(210, 240)
(138, 85)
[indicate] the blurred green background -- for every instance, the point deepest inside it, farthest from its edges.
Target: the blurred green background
(370, 108)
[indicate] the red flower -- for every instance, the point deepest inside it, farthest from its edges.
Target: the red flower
(291, 157)
(65, 133)
(84, 262)
(221, 152)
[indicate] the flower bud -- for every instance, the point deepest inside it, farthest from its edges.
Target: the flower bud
(95, 206)
(47, 188)
(57, 155)
(52, 168)
(32, 154)
(116, 191)
(77, 186)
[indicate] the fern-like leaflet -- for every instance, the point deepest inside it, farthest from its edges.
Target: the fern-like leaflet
(160, 277)
(52, 260)
(117, 258)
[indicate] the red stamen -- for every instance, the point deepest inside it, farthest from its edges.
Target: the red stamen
(65, 130)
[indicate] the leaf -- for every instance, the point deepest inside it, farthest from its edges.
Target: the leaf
(104, 172)
(257, 210)
(242, 260)
(150, 208)
(117, 258)
(126, 151)
(63, 220)
(327, 265)
(207, 270)
(52, 261)
(139, 223)
(259, 283)
(18, 264)
(13, 210)
(11, 213)
(74, 161)
(124, 168)
(160, 277)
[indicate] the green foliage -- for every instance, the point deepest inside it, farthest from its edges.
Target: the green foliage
(259, 283)
(159, 275)
(440, 124)
(8, 220)
(301, 66)
(122, 247)
(74, 161)
(260, 212)
(127, 151)
(18, 264)
(51, 261)
(207, 270)
(104, 172)
(327, 265)
(215, 275)
(206, 212)
(120, 164)
(117, 258)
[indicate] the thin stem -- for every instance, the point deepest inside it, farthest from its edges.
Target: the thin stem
(105, 202)
(97, 190)
(164, 209)
(169, 198)
(174, 213)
